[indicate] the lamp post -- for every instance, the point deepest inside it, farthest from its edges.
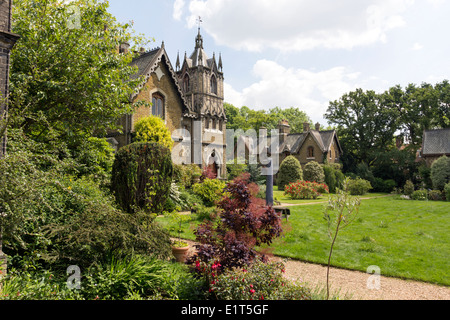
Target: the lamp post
(269, 185)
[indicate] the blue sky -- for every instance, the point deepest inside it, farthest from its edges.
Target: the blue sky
(303, 53)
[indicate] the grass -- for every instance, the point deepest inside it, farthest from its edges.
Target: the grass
(404, 238)
(279, 196)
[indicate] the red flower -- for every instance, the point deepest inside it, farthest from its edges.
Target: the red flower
(252, 291)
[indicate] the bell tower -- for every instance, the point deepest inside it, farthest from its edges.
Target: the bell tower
(201, 79)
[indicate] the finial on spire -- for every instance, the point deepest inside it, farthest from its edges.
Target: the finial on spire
(199, 22)
(220, 62)
(178, 61)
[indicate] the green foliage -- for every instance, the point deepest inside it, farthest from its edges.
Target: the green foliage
(358, 186)
(261, 281)
(436, 195)
(290, 171)
(235, 169)
(210, 190)
(408, 189)
(95, 158)
(245, 118)
(187, 175)
(440, 172)
(142, 176)
(35, 286)
(367, 122)
(313, 171)
(121, 278)
(67, 78)
(153, 129)
(447, 191)
(380, 185)
(420, 195)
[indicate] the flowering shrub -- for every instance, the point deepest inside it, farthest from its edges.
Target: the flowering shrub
(261, 281)
(305, 190)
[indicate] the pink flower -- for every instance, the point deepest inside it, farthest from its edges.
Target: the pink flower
(252, 291)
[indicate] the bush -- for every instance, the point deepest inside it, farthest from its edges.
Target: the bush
(187, 175)
(358, 186)
(142, 176)
(261, 281)
(210, 190)
(313, 171)
(305, 190)
(420, 195)
(447, 191)
(440, 172)
(153, 129)
(408, 189)
(290, 171)
(330, 177)
(436, 195)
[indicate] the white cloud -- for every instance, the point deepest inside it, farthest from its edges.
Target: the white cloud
(417, 46)
(295, 25)
(286, 87)
(178, 9)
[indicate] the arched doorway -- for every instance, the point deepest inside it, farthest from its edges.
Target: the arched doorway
(213, 167)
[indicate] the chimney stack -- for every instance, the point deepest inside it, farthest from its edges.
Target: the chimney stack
(124, 47)
(305, 127)
(317, 126)
(284, 129)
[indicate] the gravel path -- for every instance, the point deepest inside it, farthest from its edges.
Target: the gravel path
(354, 284)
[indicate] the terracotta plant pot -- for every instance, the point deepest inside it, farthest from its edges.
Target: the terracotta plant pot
(180, 253)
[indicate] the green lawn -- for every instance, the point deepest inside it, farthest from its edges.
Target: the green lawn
(279, 196)
(405, 238)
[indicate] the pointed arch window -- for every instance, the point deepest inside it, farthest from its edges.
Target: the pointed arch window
(310, 152)
(186, 83)
(213, 85)
(158, 105)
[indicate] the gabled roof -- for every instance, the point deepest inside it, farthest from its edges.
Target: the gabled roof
(324, 140)
(147, 63)
(436, 142)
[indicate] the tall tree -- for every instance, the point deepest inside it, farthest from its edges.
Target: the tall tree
(293, 115)
(364, 125)
(68, 79)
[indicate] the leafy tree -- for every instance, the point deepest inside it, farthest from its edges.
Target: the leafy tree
(67, 77)
(294, 116)
(364, 125)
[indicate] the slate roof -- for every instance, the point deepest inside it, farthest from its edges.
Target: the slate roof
(147, 63)
(436, 142)
(294, 142)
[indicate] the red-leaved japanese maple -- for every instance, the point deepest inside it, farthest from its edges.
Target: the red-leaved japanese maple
(244, 221)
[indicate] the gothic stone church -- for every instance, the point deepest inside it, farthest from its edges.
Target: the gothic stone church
(189, 99)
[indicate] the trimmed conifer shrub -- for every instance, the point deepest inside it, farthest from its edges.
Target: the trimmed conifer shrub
(290, 171)
(313, 172)
(141, 177)
(440, 173)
